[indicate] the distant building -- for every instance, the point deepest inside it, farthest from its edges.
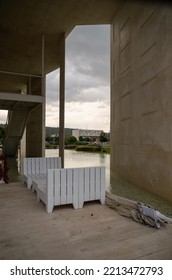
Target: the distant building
(94, 135)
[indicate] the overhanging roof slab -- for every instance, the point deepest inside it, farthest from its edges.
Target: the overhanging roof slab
(22, 24)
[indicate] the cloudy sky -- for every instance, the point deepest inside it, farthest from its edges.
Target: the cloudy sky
(87, 101)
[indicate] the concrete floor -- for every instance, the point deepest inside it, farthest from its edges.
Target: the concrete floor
(94, 232)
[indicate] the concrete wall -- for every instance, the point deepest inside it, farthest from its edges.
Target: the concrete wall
(141, 96)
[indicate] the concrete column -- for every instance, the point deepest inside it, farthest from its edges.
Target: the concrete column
(35, 129)
(62, 99)
(141, 115)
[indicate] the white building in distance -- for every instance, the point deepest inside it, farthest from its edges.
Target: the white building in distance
(94, 134)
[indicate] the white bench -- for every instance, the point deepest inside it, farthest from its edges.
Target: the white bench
(72, 186)
(41, 181)
(35, 168)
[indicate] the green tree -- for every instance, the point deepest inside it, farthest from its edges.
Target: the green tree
(48, 138)
(103, 137)
(70, 140)
(56, 140)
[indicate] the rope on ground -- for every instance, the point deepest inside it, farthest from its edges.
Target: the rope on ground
(140, 212)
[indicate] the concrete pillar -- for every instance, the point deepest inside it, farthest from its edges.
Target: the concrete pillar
(35, 129)
(141, 115)
(62, 99)
(23, 145)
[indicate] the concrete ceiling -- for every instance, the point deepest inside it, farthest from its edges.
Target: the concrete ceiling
(22, 23)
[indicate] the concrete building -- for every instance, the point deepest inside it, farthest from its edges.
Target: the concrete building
(32, 35)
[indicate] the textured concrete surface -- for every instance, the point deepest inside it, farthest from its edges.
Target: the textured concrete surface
(93, 232)
(141, 102)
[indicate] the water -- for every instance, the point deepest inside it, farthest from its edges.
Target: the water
(83, 159)
(115, 185)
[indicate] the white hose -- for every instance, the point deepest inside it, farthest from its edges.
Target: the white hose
(163, 217)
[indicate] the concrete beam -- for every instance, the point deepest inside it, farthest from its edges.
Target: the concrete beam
(21, 97)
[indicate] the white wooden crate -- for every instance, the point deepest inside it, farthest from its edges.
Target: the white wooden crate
(35, 168)
(72, 186)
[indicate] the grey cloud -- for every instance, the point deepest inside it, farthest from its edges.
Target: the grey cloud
(52, 87)
(88, 49)
(87, 66)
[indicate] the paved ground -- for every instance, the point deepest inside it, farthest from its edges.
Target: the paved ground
(94, 232)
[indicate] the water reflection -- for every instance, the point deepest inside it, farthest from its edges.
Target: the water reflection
(84, 159)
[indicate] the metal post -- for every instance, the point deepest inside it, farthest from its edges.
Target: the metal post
(62, 99)
(43, 93)
(43, 63)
